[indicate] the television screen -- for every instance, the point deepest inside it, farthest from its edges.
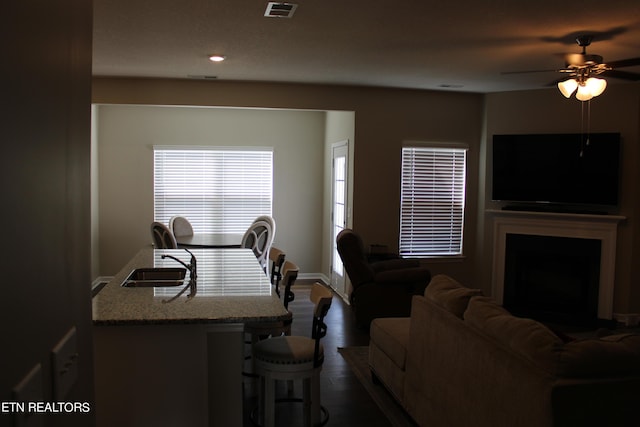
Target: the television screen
(566, 169)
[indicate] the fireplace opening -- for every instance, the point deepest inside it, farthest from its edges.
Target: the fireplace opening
(552, 279)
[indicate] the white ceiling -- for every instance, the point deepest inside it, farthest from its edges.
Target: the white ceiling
(460, 45)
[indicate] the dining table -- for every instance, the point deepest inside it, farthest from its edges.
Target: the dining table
(210, 240)
(174, 355)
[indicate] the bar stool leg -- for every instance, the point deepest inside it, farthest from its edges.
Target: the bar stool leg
(261, 400)
(307, 402)
(270, 401)
(315, 398)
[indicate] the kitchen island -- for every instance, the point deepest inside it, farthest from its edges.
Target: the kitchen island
(174, 355)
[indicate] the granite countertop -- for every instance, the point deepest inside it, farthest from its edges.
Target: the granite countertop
(231, 288)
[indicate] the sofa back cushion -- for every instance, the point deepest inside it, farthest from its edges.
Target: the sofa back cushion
(531, 339)
(449, 294)
(610, 356)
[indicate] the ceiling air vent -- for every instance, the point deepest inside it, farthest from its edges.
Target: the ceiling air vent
(201, 77)
(280, 10)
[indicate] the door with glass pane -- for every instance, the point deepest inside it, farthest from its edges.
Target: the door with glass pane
(339, 211)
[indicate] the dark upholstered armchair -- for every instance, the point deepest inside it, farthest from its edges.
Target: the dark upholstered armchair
(382, 288)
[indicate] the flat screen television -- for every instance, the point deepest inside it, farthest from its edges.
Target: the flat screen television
(557, 170)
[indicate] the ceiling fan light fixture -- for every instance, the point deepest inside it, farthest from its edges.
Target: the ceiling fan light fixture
(567, 87)
(596, 85)
(586, 89)
(583, 93)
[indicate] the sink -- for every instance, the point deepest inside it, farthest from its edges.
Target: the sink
(155, 277)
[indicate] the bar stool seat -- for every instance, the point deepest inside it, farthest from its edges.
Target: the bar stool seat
(293, 350)
(261, 330)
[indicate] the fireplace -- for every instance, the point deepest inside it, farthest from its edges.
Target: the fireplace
(554, 279)
(563, 264)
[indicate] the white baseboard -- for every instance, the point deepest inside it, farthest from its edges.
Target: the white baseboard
(314, 276)
(325, 280)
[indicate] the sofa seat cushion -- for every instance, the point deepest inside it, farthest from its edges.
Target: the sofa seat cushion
(449, 294)
(530, 339)
(391, 335)
(612, 355)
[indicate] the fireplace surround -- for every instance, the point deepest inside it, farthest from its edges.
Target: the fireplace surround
(596, 231)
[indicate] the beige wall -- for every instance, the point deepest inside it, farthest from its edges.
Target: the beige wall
(384, 118)
(127, 134)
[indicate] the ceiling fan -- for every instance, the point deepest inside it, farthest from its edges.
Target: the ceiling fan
(581, 71)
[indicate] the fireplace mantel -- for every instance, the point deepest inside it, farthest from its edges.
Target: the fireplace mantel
(581, 226)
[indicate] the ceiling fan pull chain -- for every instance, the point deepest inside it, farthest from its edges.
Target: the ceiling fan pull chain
(584, 139)
(588, 122)
(581, 129)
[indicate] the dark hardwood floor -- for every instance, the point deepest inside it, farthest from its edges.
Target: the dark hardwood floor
(342, 394)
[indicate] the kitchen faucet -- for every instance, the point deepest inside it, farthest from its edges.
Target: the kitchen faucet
(193, 275)
(191, 266)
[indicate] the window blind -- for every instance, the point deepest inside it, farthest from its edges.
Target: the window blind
(432, 201)
(217, 190)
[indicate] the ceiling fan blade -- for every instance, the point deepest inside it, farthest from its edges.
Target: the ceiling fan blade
(624, 75)
(531, 71)
(556, 81)
(630, 62)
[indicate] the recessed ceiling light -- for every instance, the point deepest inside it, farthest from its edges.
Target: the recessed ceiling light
(217, 58)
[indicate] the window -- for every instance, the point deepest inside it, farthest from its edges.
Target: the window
(218, 190)
(432, 201)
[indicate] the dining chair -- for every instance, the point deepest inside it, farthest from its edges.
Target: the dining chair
(268, 219)
(258, 238)
(295, 358)
(162, 236)
(180, 226)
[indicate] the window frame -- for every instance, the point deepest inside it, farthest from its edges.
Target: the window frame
(449, 244)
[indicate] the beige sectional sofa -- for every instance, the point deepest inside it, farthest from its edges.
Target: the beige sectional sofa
(463, 360)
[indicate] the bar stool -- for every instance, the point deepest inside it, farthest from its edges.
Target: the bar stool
(295, 358)
(276, 256)
(259, 330)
